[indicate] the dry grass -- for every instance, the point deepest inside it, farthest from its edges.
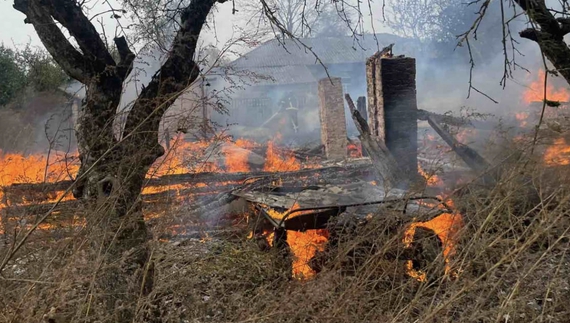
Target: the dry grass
(513, 263)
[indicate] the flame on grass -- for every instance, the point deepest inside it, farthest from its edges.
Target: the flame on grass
(558, 154)
(446, 226)
(303, 245)
(431, 179)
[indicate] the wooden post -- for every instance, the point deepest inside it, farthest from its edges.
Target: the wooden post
(361, 107)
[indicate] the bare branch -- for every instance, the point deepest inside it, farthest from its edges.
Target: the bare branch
(175, 75)
(564, 25)
(70, 15)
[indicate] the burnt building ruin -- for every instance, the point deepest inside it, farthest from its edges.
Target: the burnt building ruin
(333, 119)
(392, 106)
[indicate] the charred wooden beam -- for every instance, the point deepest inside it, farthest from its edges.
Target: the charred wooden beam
(471, 157)
(18, 189)
(442, 118)
(361, 107)
(382, 159)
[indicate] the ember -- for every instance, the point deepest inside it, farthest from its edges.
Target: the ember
(354, 150)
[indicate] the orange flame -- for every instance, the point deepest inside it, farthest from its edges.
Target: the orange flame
(557, 154)
(303, 245)
(354, 150)
(522, 118)
(446, 226)
(274, 162)
(535, 91)
(431, 179)
(236, 160)
(17, 168)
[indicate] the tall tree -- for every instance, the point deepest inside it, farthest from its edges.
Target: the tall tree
(113, 169)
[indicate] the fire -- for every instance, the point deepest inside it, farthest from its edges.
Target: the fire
(535, 91)
(522, 118)
(354, 150)
(17, 168)
(236, 160)
(303, 245)
(446, 226)
(431, 179)
(274, 162)
(557, 154)
(465, 135)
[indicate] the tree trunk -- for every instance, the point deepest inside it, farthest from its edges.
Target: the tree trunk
(113, 175)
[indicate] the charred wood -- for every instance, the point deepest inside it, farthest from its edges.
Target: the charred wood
(382, 159)
(442, 118)
(471, 157)
(16, 191)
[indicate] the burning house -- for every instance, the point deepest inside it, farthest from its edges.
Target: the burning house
(290, 197)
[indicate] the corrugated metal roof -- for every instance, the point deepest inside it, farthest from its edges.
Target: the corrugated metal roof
(330, 50)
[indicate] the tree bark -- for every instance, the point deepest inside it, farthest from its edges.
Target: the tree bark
(548, 32)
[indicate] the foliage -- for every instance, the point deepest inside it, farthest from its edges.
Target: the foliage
(42, 72)
(12, 76)
(27, 68)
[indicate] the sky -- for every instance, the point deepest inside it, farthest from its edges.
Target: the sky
(14, 30)
(227, 25)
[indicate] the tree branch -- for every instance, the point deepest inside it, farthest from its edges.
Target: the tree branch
(564, 25)
(127, 57)
(538, 12)
(175, 75)
(70, 15)
(70, 60)
(550, 37)
(532, 34)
